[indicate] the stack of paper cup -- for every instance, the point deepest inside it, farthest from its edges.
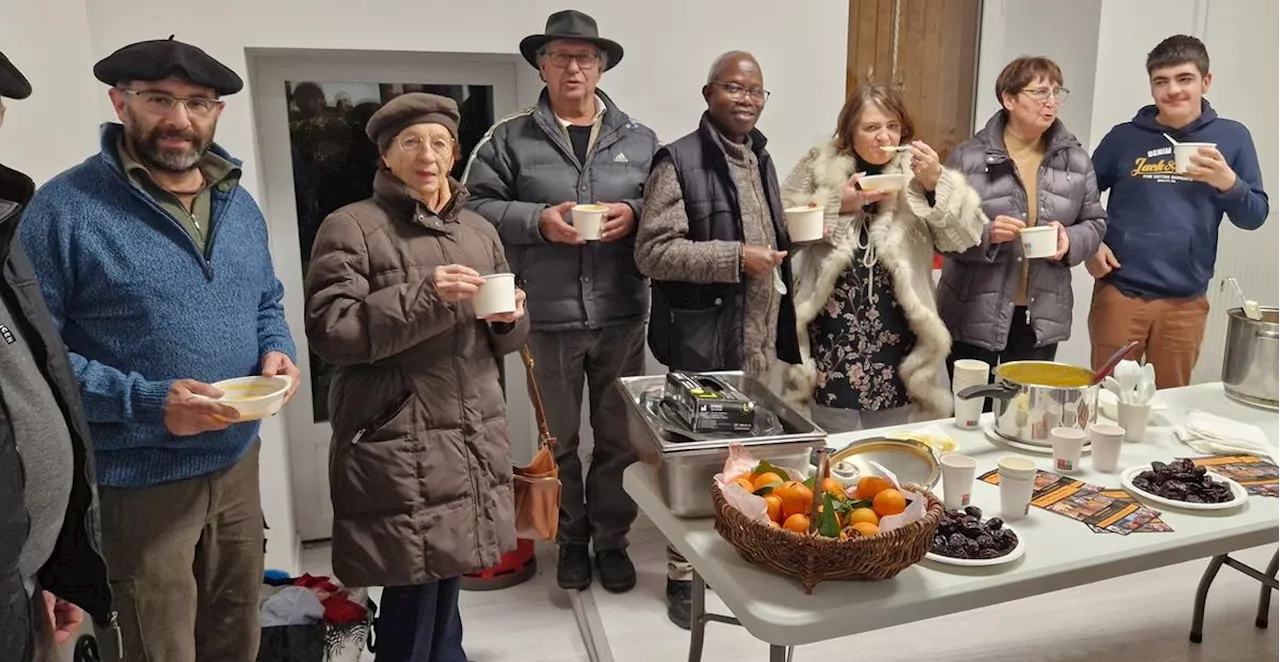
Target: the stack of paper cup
(1068, 445)
(1104, 446)
(957, 479)
(969, 373)
(1017, 483)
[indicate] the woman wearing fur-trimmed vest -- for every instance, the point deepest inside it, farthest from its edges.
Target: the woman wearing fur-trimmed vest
(872, 345)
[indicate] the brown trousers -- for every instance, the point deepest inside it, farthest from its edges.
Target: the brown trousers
(1170, 331)
(186, 566)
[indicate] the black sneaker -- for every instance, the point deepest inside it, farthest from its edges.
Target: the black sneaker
(573, 572)
(679, 598)
(617, 572)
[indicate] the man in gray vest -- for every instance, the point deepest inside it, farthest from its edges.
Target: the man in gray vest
(587, 302)
(716, 249)
(50, 564)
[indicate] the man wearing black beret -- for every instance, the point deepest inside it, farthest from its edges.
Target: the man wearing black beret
(154, 263)
(49, 560)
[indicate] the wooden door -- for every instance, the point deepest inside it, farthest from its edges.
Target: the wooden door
(928, 49)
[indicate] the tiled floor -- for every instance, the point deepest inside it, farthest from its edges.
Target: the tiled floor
(1139, 618)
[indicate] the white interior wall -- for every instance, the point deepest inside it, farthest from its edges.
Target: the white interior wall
(1102, 46)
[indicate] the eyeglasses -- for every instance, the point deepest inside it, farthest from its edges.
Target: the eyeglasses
(163, 103)
(586, 61)
(1043, 94)
(736, 91)
(442, 147)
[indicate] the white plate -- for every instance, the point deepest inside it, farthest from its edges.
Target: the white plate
(1237, 490)
(1013, 555)
(989, 429)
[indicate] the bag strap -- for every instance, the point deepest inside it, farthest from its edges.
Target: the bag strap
(544, 431)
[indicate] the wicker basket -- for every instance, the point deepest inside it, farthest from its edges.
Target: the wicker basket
(812, 559)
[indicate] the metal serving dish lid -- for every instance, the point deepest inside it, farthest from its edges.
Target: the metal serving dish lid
(910, 461)
(795, 427)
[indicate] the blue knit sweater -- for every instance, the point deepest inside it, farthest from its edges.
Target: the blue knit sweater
(140, 306)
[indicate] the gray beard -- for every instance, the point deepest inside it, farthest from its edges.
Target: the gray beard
(149, 153)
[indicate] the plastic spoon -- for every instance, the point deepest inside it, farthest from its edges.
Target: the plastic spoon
(1250, 306)
(1170, 139)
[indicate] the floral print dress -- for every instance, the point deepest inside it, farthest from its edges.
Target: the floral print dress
(860, 338)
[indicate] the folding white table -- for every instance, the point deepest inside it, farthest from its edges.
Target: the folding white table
(1060, 552)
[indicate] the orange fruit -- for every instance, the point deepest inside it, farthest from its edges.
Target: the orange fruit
(796, 498)
(833, 487)
(744, 483)
(798, 523)
(889, 502)
(773, 503)
(768, 478)
(870, 486)
(864, 515)
(774, 523)
(866, 529)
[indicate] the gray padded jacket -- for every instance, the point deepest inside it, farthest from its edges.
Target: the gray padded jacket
(978, 287)
(525, 164)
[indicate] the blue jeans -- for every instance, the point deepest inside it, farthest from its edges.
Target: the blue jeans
(420, 623)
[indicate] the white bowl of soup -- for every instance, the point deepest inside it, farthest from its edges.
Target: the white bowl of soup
(254, 397)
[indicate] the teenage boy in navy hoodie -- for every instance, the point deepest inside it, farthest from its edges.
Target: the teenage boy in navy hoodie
(1157, 258)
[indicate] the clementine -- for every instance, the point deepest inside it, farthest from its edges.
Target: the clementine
(768, 478)
(866, 529)
(798, 523)
(864, 515)
(889, 502)
(796, 498)
(834, 487)
(870, 486)
(744, 482)
(773, 503)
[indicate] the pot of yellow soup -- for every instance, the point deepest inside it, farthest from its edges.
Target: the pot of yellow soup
(1030, 398)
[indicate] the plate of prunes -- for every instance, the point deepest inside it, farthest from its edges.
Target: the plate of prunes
(1182, 484)
(964, 539)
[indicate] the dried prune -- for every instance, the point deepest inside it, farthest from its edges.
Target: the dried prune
(989, 554)
(973, 511)
(985, 541)
(1158, 466)
(957, 540)
(972, 530)
(939, 541)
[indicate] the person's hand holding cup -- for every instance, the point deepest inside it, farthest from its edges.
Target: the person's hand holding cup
(455, 282)
(1005, 229)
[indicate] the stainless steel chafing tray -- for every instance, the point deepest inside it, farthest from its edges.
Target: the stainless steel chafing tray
(685, 469)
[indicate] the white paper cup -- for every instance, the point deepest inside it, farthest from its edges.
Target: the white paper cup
(1016, 468)
(1015, 497)
(1133, 418)
(497, 295)
(588, 219)
(969, 372)
(967, 412)
(804, 223)
(1039, 241)
(1104, 446)
(1182, 153)
(957, 479)
(1068, 445)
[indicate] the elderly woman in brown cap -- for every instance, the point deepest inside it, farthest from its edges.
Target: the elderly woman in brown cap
(420, 466)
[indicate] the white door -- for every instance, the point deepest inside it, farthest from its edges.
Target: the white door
(311, 112)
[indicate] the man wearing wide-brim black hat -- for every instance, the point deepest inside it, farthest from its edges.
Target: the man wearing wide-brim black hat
(587, 300)
(155, 265)
(50, 566)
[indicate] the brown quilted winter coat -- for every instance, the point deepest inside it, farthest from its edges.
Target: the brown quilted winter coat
(419, 463)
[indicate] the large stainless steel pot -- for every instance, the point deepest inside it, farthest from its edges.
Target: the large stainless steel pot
(1251, 362)
(1030, 398)
(685, 470)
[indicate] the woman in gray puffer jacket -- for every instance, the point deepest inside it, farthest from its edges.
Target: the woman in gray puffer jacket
(999, 306)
